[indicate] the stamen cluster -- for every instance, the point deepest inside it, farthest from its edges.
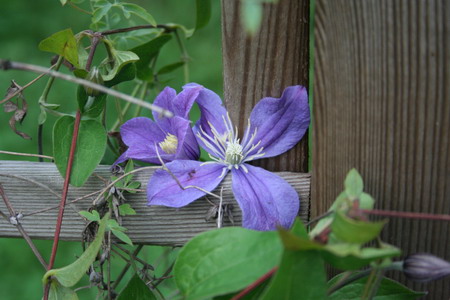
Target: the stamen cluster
(227, 147)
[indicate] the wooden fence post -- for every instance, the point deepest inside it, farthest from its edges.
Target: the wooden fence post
(381, 104)
(263, 65)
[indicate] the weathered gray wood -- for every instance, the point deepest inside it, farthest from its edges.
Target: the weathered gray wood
(264, 65)
(382, 105)
(151, 225)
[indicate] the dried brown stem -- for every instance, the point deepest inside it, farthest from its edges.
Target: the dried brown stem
(21, 229)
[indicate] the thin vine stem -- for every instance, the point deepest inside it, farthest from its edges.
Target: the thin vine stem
(20, 228)
(26, 154)
(43, 99)
(7, 65)
(63, 197)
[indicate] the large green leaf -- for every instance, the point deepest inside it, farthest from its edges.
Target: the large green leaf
(90, 148)
(388, 290)
(301, 276)
(353, 231)
(136, 289)
(203, 13)
(146, 52)
(225, 260)
(71, 274)
(62, 43)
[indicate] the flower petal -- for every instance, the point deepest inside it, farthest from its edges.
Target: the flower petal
(266, 200)
(187, 143)
(162, 189)
(212, 112)
(164, 100)
(179, 104)
(280, 122)
(140, 135)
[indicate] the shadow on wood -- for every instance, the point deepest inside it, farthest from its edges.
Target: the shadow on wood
(156, 225)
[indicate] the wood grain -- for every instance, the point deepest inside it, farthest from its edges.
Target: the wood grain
(264, 65)
(382, 105)
(156, 225)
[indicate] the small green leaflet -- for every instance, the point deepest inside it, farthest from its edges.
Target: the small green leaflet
(62, 43)
(71, 274)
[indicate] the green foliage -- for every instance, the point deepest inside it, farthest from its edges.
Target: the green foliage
(146, 53)
(71, 274)
(388, 290)
(60, 292)
(126, 209)
(353, 231)
(136, 289)
(301, 275)
(225, 260)
(88, 154)
(62, 43)
(119, 231)
(203, 13)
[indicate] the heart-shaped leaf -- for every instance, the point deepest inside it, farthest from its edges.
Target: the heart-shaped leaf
(89, 152)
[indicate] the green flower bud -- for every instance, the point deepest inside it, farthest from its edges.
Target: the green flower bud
(95, 77)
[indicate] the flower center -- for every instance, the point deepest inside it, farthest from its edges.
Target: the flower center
(227, 149)
(170, 144)
(233, 154)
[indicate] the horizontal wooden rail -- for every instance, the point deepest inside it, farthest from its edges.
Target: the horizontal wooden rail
(28, 186)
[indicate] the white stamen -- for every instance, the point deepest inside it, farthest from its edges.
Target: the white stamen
(170, 144)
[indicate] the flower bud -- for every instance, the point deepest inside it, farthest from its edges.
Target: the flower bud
(425, 267)
(95, 77)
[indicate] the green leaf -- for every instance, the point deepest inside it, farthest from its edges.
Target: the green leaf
(130, 8)
(93, 217)
(59, 292)
(146, 52)
(96, 108)
(251, 15)
(136, 289)
(71, 274)
(301, 275)
(353, 184)
(366, 201)
(90, 148)
(126, 209)
(225, 260)
(353, 231)
(115, 62)
(388, 290)
(203, 13)
(101, 11)
(170, 68)
(352, 256)
(127, 73)
(122, 236)
(62, 43)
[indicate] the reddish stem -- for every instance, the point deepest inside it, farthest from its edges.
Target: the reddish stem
(62, 204)
(252, 286)
(410, 215)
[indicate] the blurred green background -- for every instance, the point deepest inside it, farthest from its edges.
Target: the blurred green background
(23, 24)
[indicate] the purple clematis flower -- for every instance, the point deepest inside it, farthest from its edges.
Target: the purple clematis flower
(172, 137)
(275, 126)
